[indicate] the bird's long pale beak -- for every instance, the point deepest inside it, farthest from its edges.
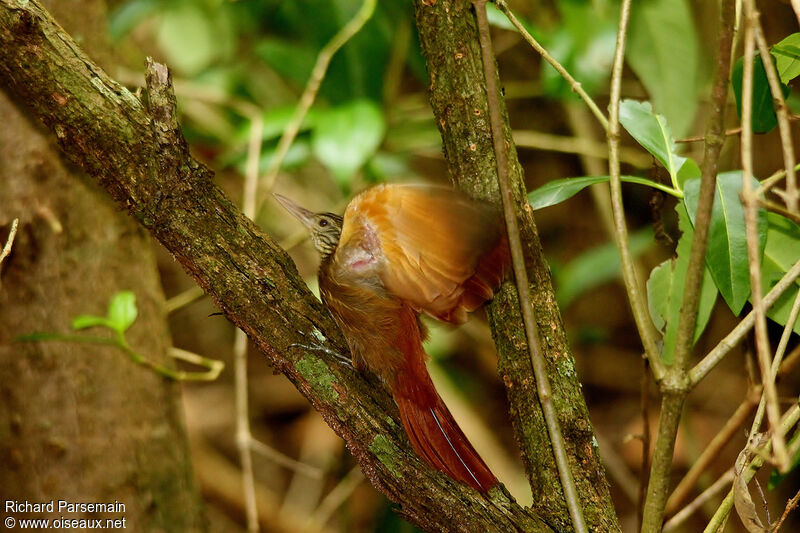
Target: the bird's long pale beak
(300, 213)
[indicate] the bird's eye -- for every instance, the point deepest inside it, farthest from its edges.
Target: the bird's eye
(323, 223)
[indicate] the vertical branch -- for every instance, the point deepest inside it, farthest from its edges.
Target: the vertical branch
(676, 384)
(521, 274)
(458, 96)
(633, 286)
(750, 201)
(791, 195)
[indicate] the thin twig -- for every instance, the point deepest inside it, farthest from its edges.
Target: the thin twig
(244, 436)
(701, 138)
(724, 346)
(617, 467)
(310, 92)
(771, 181)
(183, 299)
(521, 274)
(577, 145)
(791, 504)
(750, 201)
(680, 517)
(788, 421)
(9, 243)
(711, 452)
(573, 83)
(781, 110)
(336, 497)
(284, 460)
(779, 209)
(644, 472)
(641, 314)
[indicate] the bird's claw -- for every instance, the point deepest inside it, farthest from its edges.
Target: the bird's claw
(338, 357)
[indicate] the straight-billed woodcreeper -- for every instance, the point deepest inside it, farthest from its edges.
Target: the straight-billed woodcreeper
(400, 251)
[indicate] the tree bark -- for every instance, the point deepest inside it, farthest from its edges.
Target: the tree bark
(449, 38)
(82, 423)
(136, 153)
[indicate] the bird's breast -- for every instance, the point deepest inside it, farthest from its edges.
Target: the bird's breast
(360, 252)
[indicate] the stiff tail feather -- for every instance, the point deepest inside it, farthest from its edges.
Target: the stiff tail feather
(435, 435)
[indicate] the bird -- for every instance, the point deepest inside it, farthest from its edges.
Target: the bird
(401, 251)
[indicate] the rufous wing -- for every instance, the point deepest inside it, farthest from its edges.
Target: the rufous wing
(439, 250)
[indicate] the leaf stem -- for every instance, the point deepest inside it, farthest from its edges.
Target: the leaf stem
(721, 514)
(521, 274)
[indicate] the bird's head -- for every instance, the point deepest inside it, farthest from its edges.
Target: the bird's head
(325, 228)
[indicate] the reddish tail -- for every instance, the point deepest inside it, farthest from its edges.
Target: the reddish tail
(433, 432)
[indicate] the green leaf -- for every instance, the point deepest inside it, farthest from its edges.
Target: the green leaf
(652, 132)
(596, 266)
(556, 191)
(584, 43)
(727, 257)
(345, 137)
(90, 321)
(663, 51)
(128, 16)
(782, 251)
(192, 39)
(764, 117)
(665, 289)
(122, 311)
(294, 61)
(787, 57)
(498, 19)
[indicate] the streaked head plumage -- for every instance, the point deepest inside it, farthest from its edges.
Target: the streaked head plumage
(324, 228)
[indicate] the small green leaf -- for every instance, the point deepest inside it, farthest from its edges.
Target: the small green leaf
(787, 57)
(128, 16)
(556, 191)
(664, 52)
(782, 251)
(294, 61)
(89, 321)
(584, 44)
(345, 137)
(595, 266)
(652, 132)
(764, 117)
(666, 286)
(122, 311)
(727, 257)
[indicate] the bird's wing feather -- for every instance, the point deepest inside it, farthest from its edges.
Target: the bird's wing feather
(434, 248)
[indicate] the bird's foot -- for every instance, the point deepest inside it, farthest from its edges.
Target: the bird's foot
(338, 357)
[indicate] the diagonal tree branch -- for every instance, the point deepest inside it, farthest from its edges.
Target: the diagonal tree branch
(135, 152)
